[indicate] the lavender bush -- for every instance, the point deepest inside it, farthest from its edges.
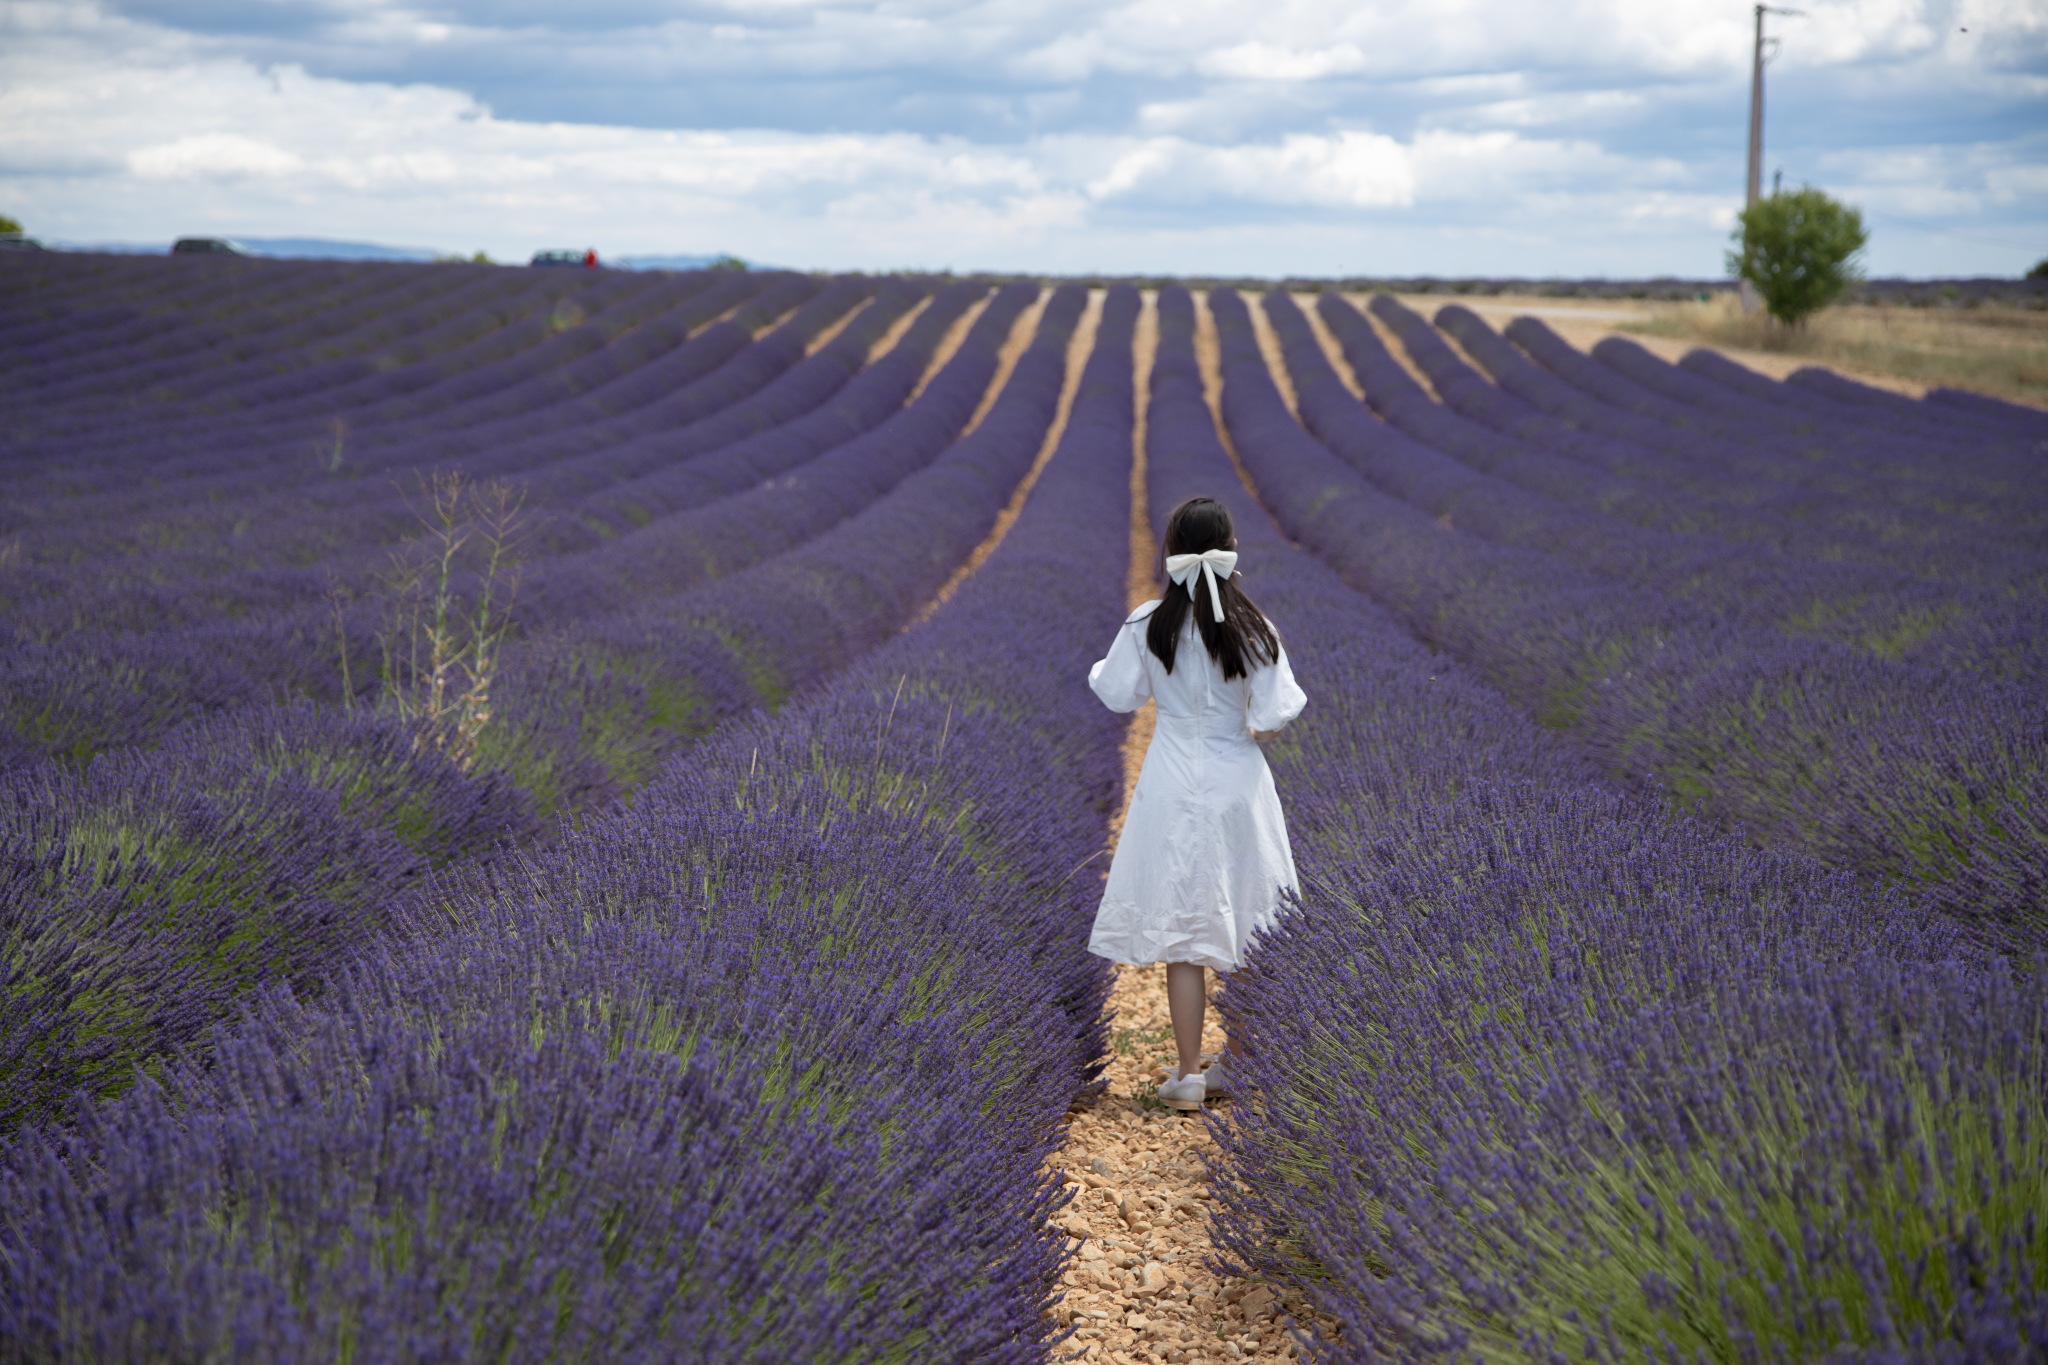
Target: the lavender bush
(143, 896)
(1654, 1095)
(661, 670)
(1856, 471)
(233, 653)
(1542, 1072)
(766, 1064)
(1836, 495)
(1867, 606)
(1885, 769)
(764, 1067)
(339, 535)
(336, 451)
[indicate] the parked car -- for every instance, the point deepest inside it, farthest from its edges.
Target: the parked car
(18, 241)
(207, 246)
(587, 258)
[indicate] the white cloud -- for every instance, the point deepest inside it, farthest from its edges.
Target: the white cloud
(1590, 136)
(1264, 62)
(212, 154)
(1350, 169)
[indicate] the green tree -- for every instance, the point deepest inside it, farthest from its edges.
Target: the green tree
(8, 224)
(1798, 248)
(2040, 270)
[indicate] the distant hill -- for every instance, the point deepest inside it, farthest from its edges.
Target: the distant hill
(327, 249)
(321, 248)
(294, 248)
(658, 262)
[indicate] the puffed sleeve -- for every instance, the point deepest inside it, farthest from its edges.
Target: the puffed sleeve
(1121, 679)
(1275, 697)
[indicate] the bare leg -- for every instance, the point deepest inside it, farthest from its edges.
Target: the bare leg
(1230, 1045)
(1187, 1000)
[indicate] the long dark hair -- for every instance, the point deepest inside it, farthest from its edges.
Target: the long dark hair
(1243, 639)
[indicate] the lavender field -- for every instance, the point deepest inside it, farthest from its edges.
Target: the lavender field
(555, 815)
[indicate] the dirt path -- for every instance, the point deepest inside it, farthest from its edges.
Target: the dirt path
(1397, 348)
(950, 342)
(726, 316)
(1022, 332)
(1141, 583)
(843, 321)
(1209, 359)
(1138, 1226)
(1276, 358)
(1078, 349)
(785, 315)
(1333, 351)
(887, 341)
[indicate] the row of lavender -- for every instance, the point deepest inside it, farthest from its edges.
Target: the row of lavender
(836, 559)
(764, 1068)
(158, 636)
(150, 891)
(383, 348)
(1907, 541)
(1648, 654)
(259, 487)
(1538, 1071)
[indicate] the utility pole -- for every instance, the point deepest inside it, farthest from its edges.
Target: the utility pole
(1750, 300)
(1756, 102)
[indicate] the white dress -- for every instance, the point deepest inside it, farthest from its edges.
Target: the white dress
(1203, 857)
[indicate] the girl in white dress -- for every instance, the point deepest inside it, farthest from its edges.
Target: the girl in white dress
(1203, 860)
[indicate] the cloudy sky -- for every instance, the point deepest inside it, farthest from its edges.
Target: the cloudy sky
(1535, 137)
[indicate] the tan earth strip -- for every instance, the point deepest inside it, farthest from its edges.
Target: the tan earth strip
(765, 328)
(1138, 1226)
(1327, 339)
(1276, 359)
(1428, 315)
(706, 326)
(1019, 341)
(845, 320)
(950, 343)
(1392, 341)
(1141, 581)
(1077, 360)
(887, 341)
(1209, 358)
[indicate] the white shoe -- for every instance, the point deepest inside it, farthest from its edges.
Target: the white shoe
(1215, 1080)
(1182, 1092)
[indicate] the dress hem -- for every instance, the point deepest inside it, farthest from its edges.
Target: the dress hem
(1214, 963)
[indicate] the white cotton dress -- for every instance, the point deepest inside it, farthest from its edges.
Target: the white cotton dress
(1203, 857)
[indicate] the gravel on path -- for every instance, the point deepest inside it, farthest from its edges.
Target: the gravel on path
(1139, 1284)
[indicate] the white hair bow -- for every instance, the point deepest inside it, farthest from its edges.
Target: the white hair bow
(1183, 568)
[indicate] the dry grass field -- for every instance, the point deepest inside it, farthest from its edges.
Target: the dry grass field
(1989, 349)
